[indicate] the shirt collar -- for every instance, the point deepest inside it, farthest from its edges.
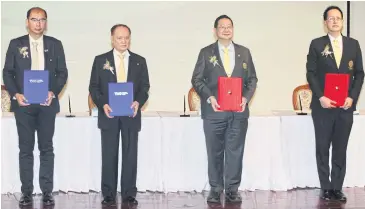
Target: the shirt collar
(339, 38)
(40, 40)
(221, 47)
(126, 53)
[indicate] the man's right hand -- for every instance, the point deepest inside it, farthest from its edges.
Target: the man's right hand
(21, 99)
(107, 110)
(214, 104)
(326, 102)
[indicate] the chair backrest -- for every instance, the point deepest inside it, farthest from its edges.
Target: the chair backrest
(5, 100)
(193, 100)
(91, 104)
(302, 97)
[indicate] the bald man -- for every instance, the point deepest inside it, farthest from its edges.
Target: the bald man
(35, 51)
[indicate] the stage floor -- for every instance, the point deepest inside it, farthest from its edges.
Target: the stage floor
(294, 199)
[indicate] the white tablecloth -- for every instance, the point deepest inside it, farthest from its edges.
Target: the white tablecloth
(279, 154)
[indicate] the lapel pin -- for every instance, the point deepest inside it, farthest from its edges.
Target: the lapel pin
(137, 63)
(46, 50)
(239, 55)
(50, 60)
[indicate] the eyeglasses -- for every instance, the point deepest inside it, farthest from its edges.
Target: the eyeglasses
(222, 28)
(332, 19)
(35, 20)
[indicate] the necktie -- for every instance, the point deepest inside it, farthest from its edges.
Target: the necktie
(226, 63)
(121, 77)
(35, 59)
(337, 52)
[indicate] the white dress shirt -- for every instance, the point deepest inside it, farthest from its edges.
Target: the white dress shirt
(339, 39)
(117, 61)
(231, 54)
(40, 49)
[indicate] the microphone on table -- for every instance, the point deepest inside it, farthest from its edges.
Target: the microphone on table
(184, 115)
(69, 108)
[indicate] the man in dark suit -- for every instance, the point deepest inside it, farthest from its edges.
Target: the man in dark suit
(333, 53)
(225, 132)
(36, 52)
(119, 65)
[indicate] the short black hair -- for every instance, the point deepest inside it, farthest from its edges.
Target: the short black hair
(119, 25)
(35, 8)
(325, 13)
(221, 17)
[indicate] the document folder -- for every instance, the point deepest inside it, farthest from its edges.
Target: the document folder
(36, 86)
(336, 87)
(230, 93)
(121, 99)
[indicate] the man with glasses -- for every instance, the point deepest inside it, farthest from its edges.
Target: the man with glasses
(333, 53)
(35, 51)
(225, 132)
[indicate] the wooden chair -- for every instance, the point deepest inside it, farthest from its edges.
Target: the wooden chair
(302, 93)
(193, 100)
(91, 103)
(5, 100)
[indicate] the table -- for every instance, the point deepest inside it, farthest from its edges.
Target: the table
(279, 154)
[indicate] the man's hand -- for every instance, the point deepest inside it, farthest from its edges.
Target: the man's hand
(21, 99)
(107, 111)
(326, 102)
(214, 104)
(49, 99)
(135, 106)
(347, 104)
(243, 104)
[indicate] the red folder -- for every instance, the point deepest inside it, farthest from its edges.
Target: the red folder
(230, 93)
(336, 87)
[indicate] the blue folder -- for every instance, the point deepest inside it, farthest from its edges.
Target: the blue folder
(121, 99)
(36, 83)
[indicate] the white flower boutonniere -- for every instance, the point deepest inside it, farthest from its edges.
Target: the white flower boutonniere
(24, 51)
(214, 61)
(108, 67)
(326, 51)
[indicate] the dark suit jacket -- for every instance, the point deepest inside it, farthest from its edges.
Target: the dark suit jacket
(318, 65)
(205, 77)
(98, 88)
(15, 64)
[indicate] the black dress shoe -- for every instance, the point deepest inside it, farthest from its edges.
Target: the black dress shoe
(48, 199)
(339, 195)
(108, 201)
(233, 197)
(214, 197)
(26, 200)
(326, 194)
(130, 200)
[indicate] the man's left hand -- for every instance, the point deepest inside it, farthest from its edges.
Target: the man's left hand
(49, 99)
(243, 104)
(347, 104)
(135, 106)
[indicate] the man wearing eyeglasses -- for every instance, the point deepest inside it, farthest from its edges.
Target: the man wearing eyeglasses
(35, 51)
(225, 132)
(333, 53)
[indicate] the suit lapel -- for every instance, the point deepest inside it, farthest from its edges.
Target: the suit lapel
(110, 58)
(218, 56)
(131, 63)
(237, 58)
(27, 61)
(332, 56)
(345, 51)
(46, 50)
